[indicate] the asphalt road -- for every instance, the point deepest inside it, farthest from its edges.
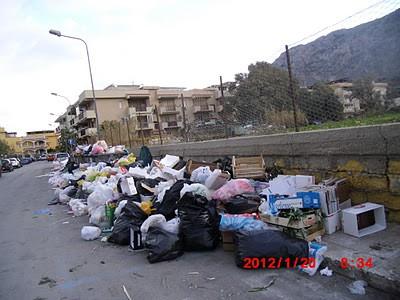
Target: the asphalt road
(42, 256)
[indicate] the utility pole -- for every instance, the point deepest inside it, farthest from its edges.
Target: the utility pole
(184, 118)
(291, 88)
(159, 124)
(223, 110)
(141, 129)
(119, 132)
(129, 134)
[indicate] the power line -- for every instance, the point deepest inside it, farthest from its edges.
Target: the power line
(337, 23)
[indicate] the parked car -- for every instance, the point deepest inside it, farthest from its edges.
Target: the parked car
(62, 156)
(25, 161)
(6, 165)
(51, 157)
(15, 162)
(43, 157)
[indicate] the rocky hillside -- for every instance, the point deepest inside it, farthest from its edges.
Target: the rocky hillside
(371, 49)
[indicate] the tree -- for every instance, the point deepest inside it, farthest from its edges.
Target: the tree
(65, 136)
(320, 104)
(4, 147)
(264, 89)
(370, 101)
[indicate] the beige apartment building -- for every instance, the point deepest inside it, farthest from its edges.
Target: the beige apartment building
(343, 89)
(118, 102)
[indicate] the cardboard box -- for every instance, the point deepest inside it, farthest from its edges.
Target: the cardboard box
(302, 200)
(309, 233)
(332, 223)
(227, 241)
(364, 219)
(307, 221)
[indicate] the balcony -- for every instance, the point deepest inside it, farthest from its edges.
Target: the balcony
(168, 110)
(171, 124)
(87, 132)
(87, 114)
(145, 126)
(203, 108)
(134, 111)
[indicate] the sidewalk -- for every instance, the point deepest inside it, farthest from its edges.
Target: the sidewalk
(384, 249)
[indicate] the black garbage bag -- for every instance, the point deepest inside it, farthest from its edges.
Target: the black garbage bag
(145, 155)
(225, 164)
(244, 203)
(149, 182)
(162, 245)
(268, 244)
(131, 216)
(181, 163)
(199, 224)
(168, 205)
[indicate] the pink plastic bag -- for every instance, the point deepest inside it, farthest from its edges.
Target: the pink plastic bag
(232, 188)
(97, 150)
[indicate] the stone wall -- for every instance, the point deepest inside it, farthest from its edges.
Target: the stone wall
(368, 156)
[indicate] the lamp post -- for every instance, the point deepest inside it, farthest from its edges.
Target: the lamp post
(58, 33)
(58, 95)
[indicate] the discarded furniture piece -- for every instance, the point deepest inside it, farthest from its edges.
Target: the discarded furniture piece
(193, 165)
(364, 219)
(248, 167)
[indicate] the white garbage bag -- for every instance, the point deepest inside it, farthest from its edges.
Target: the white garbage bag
(197, 189)
(99, 197)
(118, 210)
(77, 207)
(90, 233)
(98, 217)
(200, 174)
(171, 226)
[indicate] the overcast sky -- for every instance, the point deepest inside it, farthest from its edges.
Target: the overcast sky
(186, 43)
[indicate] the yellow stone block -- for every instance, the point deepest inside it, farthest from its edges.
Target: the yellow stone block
(394, 167)
(353, 166)
(387, 199)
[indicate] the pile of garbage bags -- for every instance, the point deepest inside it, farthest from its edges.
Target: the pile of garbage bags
(160, 206)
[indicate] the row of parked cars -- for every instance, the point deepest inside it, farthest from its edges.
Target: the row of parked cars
(9, 164)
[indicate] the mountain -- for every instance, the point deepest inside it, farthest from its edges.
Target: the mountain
(368, 50)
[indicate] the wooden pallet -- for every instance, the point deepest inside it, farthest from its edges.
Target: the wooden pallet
(248, 167)
(193, 165)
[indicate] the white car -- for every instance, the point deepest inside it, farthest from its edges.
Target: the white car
(62, 156)
(15, 162)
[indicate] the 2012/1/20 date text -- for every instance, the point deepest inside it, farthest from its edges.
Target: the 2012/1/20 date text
(277, 263)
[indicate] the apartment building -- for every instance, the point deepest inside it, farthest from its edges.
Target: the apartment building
(12, 140)
(34, 143)
(141, 103)
(38, 142)
(343, 89)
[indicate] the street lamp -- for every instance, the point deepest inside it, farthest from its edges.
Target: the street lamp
(55, 94)
(58, 33)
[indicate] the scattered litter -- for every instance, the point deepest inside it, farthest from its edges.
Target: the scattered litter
(126, 293)
(357, 287)
(44, 211)
(104, 239)
(326, 272)
(47, 280)
(193, 273)
(262, 288)
(73, 269)
(66, 222)
(210, 278)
